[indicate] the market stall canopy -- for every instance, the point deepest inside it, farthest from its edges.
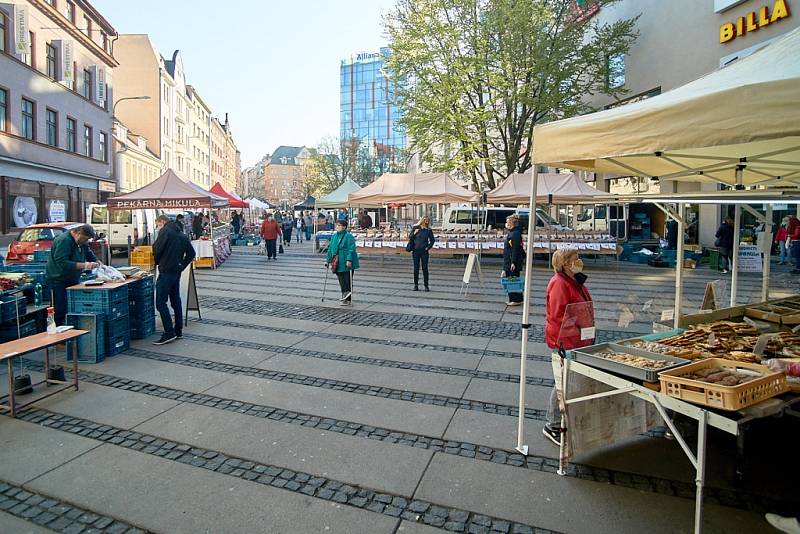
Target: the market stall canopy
(338, 198)
(217, 189)
(553, 189)
(431, 188)
(240, 199)
(746, 113)
(256, 203)
(307, 204)
(168, 191)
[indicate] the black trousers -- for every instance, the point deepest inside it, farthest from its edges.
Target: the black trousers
(420, 257)
(287, 235)
(515, 297)
(271, 248)
(345, 282)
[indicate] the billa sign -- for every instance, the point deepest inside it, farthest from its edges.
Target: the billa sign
(178, 203)
(753, 21)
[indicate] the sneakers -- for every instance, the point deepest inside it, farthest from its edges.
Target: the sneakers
(416, 288)
(178, 335)
(510, 303)
(346, 303)
(165, 338)
(427, 289)
(724, 271)
(553, 434)
(346, 297)
(790, 525)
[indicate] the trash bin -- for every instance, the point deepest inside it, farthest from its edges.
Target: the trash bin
(713, 258)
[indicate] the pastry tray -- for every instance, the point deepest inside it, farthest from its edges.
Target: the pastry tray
(587, 355)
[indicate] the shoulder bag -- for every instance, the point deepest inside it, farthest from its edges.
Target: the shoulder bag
(334, 263)
(410, 244)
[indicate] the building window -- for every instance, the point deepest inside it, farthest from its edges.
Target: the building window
(3, 31)
(103, 147)
(52, 128)
(72, 135)
(71, 12)
(51, 61)
(87, 83)
(87, 141)
(104, 40)
(615, 68)
(28, 119)
(3, 110)
(87, 26)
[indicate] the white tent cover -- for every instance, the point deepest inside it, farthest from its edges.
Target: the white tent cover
(431, 188)
(338, 198)
(697, 132)
(564, 188)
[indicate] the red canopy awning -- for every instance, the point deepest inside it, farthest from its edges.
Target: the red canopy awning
(167, 192)
(233, 201)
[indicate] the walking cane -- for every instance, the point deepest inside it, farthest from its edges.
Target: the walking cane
(325, 284)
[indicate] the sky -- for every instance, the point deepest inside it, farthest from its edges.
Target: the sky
(272, 65)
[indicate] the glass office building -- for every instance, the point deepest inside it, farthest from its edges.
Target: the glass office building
(369, 110)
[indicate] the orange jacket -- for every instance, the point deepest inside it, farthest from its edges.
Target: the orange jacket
(270, 229)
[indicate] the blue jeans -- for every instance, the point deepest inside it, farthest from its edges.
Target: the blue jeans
(168, 286)
(784, 252)
(308, 233)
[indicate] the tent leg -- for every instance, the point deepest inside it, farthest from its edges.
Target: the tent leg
(679, 268)
(526, 310)
(767, 255)
(737, 221)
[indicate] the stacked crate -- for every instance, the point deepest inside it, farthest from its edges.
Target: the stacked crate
(141, 302)
(111, 329)
(142, 257)
(12, 310)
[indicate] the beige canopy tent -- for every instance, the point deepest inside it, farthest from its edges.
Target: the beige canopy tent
(553, 188)
(429, 188)
(739, 126)
(168, 191)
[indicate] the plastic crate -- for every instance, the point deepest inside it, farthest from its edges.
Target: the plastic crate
(92, 346)
(41, 255)
(109, 303)
(11, 307)
(115, 327)
(143, 329)
(143, 285)
(513, 284)
(9, 332)
(118, 343)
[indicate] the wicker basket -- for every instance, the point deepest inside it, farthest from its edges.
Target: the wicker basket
(723, 397)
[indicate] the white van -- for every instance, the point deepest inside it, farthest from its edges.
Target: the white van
(466, 218)
(136, 224)
(602, 217)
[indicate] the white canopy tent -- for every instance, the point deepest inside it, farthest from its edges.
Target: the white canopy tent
(422, 188)
(338, 198)
(553, 188)
(738, 126)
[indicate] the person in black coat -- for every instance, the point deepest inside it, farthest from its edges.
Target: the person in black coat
(421, 240)
(513, 256)
(724, 243)
(172, 252)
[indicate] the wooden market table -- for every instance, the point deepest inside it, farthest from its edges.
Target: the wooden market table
(26, 345)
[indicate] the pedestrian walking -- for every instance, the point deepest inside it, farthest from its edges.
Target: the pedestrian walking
(197, 225)
(69, 257)
(288, 226)
(724, 243)
(568, 309)
(236, 222)
(179, 223)
(299, 226)
(342, 259)
(513, 255)
(172, 252)
(270, 232)
(309, 225)
(794, 244)
(421, 241)
(780, 238)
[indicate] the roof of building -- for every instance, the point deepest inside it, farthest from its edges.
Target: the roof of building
(286, 155)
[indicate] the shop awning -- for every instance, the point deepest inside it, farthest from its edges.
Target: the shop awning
(552, 189)
(167, 192)
(338, 198)
(430, 188)
(234, 202)
(745, 115)
(259, 204)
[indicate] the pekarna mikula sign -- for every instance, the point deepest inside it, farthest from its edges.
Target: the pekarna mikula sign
(753, 21)
(155, 204)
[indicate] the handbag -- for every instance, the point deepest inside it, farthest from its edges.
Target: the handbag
(334, 263)
(280, 249)
(410, 244)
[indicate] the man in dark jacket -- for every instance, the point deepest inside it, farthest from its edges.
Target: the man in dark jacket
(724, 242)
(197, 225)
(69, 256)
(513, 256)
(172, 252)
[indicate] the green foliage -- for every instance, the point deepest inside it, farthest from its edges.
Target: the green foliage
(480, 74)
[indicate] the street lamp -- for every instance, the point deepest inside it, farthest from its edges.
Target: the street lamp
(113, 109)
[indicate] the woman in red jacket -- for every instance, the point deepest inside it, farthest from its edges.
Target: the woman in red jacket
(270, 231)
(569, 310)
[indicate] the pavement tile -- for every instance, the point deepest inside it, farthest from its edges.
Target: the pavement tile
(192, 348)
(159, 373)
(12, 524)
(507, 393)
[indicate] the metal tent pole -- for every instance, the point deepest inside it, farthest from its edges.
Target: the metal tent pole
(679, 267)
(767, 255)
(526, 310)
(737, 221)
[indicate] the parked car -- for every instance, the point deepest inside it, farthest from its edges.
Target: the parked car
(40, 237)
(136, 224)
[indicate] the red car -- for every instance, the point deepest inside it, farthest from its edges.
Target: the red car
(40, 237)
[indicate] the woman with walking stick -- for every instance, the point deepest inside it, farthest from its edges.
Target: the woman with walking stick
(342, 259)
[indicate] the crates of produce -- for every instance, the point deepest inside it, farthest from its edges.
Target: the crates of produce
(26, 267)
(11, 307)
(10, 332)
(91, 346)
(723, 384)
(41, 255)
(110, 303)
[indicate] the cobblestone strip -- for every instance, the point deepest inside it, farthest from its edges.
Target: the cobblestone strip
(338, 385)
(395, 321)
(393, 364)
(57, 515)
(387, 342)
(418, 511)
(453, 447)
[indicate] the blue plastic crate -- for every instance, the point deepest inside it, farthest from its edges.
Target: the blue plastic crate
(144, 329)
(26, 267)
(110, 303)
(143, 285)
(9, 332)
(41, 255)
(11, 307)
(114, 327)
(513, 284)
(92, 346)
(118, 343)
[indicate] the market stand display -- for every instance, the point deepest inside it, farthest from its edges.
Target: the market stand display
(686, 135)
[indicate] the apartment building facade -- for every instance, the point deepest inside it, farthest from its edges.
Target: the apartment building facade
(56, 91)
(285, 175)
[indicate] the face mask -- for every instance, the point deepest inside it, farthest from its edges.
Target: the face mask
(577, 266)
